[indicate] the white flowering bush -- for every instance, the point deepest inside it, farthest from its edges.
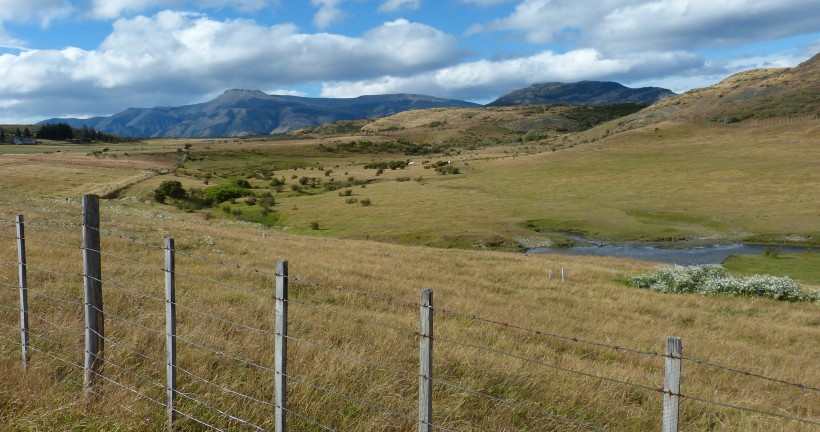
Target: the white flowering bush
(713, 279)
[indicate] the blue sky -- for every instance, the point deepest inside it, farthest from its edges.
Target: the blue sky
(82, 58)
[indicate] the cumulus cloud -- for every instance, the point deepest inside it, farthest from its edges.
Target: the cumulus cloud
(485, 2)
(633, 25)
(328, 13)
(42, 11)
(484, 79)
(111, 9)
(397, 5)
(176, 57)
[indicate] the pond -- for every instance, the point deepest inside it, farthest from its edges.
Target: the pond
(710, 254)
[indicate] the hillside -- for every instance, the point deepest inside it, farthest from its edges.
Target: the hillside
(582, 93)
(750, 95)
(246, 112)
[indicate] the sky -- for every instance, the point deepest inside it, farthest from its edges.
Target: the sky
(83, 58)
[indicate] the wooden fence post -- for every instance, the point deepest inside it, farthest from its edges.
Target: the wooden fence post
(281, 346)
(170, 333)
(92, 281)
(21, 260)
(426, 361)
(671, 384)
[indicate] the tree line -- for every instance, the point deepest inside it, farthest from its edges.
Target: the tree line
(62, 132)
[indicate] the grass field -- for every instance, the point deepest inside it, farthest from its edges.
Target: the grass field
(678, 181)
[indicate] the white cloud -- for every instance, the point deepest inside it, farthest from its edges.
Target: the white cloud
(287, 93)
(487, 79)
(42, 11)
(111, 9)
(328, 13)
(485, 2)
(397, 5)
(634, 25)
(175, 58)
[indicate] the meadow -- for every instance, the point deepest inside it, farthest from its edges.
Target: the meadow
(670, 182)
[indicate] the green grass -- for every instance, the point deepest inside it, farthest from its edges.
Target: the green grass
(804, 267)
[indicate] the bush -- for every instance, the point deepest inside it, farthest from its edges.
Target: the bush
(314, 225)
(771, 251)
(714, 280)
(169, 189)
(365, 202)
(222, 193)
(351, 200)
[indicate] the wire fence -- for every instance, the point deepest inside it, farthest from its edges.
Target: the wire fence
(352, 364)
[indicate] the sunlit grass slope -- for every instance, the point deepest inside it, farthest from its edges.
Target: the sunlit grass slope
(762, 336)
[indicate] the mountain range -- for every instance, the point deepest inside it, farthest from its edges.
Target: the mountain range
(252, 112)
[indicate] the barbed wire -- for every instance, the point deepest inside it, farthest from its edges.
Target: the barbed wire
(221, 412)
(356, 358)
(108, 362)
(218, 318)
(514, 404)
(350, 398)
(131, 350)
(224, 389)
(225, 355)
(547, 365)
(211, 280)
(122, 288)
(355, 317)
(207, 425)
(36, 293)
(750, 374)
(752, 410)
(360, 293)
(126, 320)
(544, 333)
(30, 266)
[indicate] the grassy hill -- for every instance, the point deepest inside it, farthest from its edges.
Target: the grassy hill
(525, 175)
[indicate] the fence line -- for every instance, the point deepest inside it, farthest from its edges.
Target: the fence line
(425, 419)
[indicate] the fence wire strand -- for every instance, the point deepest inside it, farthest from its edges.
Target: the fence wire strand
(221, 412)
(513, 404)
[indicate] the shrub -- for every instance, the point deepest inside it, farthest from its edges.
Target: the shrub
(771, 251)
(714, 280)
(303, 180)
(351, 200)
(402, 179)
(314, 225)
(169, 189)
(222, 193)
(346, 192)
(365, 202)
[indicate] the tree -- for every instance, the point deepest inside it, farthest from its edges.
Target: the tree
(169, 189)
(56, 132)
(26, 133)
(2, 135)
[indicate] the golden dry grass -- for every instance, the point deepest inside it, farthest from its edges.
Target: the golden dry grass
(761, 336)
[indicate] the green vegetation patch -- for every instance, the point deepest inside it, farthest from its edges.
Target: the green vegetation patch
(804, 267)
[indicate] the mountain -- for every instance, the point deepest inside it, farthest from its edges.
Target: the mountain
(251, 112)
(582, 93)
(750, 95)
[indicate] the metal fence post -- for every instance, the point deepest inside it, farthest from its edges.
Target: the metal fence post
(281, 346)
(92, 284)
(21, 260)
(170, 333)
(426, 361)
(671, 384)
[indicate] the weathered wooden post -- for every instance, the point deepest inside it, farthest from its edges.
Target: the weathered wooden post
(281, 346)
(21, 260)
(671, 384)
(426, 361)
(170, 333)
(92, 281)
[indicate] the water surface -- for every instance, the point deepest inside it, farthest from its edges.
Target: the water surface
(711, 254)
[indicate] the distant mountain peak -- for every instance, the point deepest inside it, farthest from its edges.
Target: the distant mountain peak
(239, 112)
(582, 93)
